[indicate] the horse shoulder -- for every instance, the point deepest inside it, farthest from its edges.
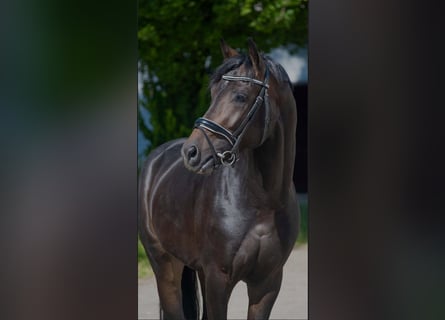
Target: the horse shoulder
(156, 168)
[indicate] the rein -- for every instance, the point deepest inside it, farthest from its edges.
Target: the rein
(228, 157)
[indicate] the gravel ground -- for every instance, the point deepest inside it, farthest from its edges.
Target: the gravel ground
(291, 302)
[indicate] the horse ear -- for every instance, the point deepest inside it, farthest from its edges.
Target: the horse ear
(255, 58)
(227, 51)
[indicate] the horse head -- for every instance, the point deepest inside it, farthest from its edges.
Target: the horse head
(243, 109)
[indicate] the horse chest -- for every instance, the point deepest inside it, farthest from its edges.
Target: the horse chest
(245, 247)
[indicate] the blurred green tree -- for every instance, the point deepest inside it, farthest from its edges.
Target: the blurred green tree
(179, 48)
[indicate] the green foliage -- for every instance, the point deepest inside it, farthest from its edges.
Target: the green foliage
(303, 235)
(141, 252)
(144, 267)
(179, 47)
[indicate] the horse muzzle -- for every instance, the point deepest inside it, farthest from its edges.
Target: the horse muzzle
(203, 157)
(196, 160)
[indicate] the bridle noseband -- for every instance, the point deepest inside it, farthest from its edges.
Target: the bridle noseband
(228, 157)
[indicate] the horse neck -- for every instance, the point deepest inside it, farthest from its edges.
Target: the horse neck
(265, 174)
(276, 157)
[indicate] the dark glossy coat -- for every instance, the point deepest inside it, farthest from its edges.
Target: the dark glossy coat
(226, 223)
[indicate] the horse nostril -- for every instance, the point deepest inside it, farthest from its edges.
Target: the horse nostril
(193, 155)
(192, 152)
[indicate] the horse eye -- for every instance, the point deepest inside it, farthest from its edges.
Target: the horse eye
(241, 98)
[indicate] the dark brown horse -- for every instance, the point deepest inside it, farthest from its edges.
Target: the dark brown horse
(222, 204)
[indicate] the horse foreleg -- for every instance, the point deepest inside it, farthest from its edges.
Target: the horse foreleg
(262, 296)
(217, 292)
(168, 274)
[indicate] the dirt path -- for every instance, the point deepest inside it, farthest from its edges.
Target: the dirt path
(291, 302)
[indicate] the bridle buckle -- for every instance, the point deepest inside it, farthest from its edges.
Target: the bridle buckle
(227, 158)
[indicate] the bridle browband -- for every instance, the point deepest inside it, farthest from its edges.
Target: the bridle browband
(229, 157)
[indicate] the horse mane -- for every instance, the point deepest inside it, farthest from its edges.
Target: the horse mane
(235, 62)
(278, 71)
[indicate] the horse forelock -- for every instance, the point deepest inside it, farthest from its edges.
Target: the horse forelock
(227, 66)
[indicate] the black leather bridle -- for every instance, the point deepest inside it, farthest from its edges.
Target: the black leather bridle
(229, 157)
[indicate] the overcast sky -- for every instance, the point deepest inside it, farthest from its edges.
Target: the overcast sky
(295, 65)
